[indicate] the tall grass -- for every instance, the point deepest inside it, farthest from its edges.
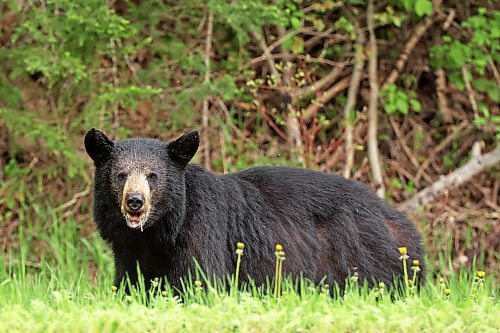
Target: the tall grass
(69, 289)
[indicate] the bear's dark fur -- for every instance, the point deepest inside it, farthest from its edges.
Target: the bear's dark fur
(329, 226)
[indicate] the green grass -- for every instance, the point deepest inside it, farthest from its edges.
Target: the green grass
(55, 294)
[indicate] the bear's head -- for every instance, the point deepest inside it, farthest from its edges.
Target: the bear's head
(139, 180)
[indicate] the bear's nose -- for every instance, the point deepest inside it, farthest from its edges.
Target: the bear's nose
(134, 201)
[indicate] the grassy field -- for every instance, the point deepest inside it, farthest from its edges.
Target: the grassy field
(70, 290)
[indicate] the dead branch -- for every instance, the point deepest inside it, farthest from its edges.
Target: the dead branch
(373, 154)
(204, 112)
(263, 112)
(458, 177)
(114, 71)
(321, 83)
(440, 74)
(266, 54)
(352, 94)
(313, 108)
(470, 92)
(441, 95)
(307, 58)
(74, 200)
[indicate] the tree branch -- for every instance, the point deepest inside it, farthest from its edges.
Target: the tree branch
(328, 79)
(351, 100)
(204, 112)
(458, 177)
(373, 154)
(313, 108)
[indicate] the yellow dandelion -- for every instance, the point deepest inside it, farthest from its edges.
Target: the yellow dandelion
(403, 251)
(197, 283)
(279, 247)
(164, 293)
(381, 285)
(240, 246)
(416, 262)
(481, 274)
(447, 291)
(114, 289)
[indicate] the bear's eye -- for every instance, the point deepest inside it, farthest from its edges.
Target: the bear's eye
(152, 176)
(121, 176)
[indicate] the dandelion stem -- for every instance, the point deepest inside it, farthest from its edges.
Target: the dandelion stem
(277, 277)
(239, 252)
(280, 272)
(236, 275)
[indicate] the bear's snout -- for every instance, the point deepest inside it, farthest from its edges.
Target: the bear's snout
(135, 202)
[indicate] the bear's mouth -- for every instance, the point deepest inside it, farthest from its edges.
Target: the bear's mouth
(136, 220)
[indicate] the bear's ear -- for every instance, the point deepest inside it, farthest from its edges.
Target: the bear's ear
(98, 146)
(183, 149)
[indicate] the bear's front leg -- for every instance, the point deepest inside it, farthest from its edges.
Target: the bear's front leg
(125, 269)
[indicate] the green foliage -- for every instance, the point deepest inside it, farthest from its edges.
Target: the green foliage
(396, 100)
(478, 52)
(420, 7)
(480, 49)
(63, 38)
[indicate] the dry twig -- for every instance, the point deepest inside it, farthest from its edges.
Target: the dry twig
(204, 112)
(373, 154)
(352, 94)
(323, 82)
(313, 108)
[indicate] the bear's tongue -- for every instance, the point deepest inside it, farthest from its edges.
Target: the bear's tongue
(135, 217)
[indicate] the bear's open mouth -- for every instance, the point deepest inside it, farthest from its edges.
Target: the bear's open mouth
(136, 220)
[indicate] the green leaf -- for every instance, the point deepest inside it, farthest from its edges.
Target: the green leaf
(402, 105)
(423, 7)
(295, 23)
(479, 121)
(415, 105)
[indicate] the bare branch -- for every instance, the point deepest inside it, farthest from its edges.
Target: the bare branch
(373, 154)
(114, 71)
(458, 177)
(204, 114)
(266, 54)
(313, 108)
(327, 80)
(351, 100)
(470, 92)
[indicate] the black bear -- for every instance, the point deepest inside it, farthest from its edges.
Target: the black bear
(159, 212)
